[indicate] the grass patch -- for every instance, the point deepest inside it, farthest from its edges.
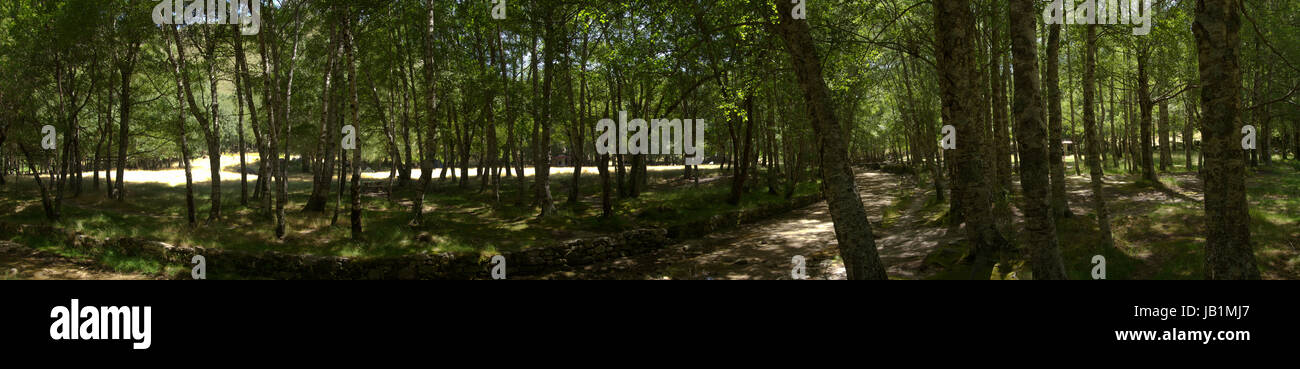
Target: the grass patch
(457, 218)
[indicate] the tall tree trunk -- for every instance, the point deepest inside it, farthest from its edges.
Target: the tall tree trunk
(103, 126)
(959, 77)
(1146, 106)
(929, 150)
(1113, 144)
(1056, 149)
(1262, 117)
(429, 143)
(323, 170)
(1162, 128)
(579, 111)
(1001, 138)
(4, 159)
(1078, 160)
(394, 152)
(212, 129)
(356, 122)
(852, 229)
(544, 140)
(1188, 140)
(1040, 226)
(178, 64)
(343, 165)
(1228, 252)
(1090, 136)
(271, 101)
(207, 121)
(743, 149)
(126, 69)
(241, 66)
(239, 131)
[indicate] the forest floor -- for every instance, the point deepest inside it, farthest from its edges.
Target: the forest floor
(458, 219)
(1157, 228)
(902, 220)
(21, 262)
(1157, 231)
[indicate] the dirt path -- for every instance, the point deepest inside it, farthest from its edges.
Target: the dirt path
(765, 250)
(19, 262)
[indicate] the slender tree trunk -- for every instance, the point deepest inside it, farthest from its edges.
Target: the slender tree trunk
(1094, 145)
(741, 168)
(271, 98)
(94, 163)
(178, 64)
(4, 159)
(1166, 151)
(47, 204)
(1001, 138)
(343, 181)
(239, 127)
(429, 143)
(1056, 149)
(544, 141)
(212, 130)
(126, 69)
(261, 185)
(1078, 160)
(579, 111)
(207, 121)
(323, 170)
(1146, 106)
(356, 122)
(852, 229)
(1187, 134)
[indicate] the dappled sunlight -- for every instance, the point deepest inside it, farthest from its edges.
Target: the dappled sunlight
(764, 250)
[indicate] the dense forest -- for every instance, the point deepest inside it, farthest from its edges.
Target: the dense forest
(856, 139)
